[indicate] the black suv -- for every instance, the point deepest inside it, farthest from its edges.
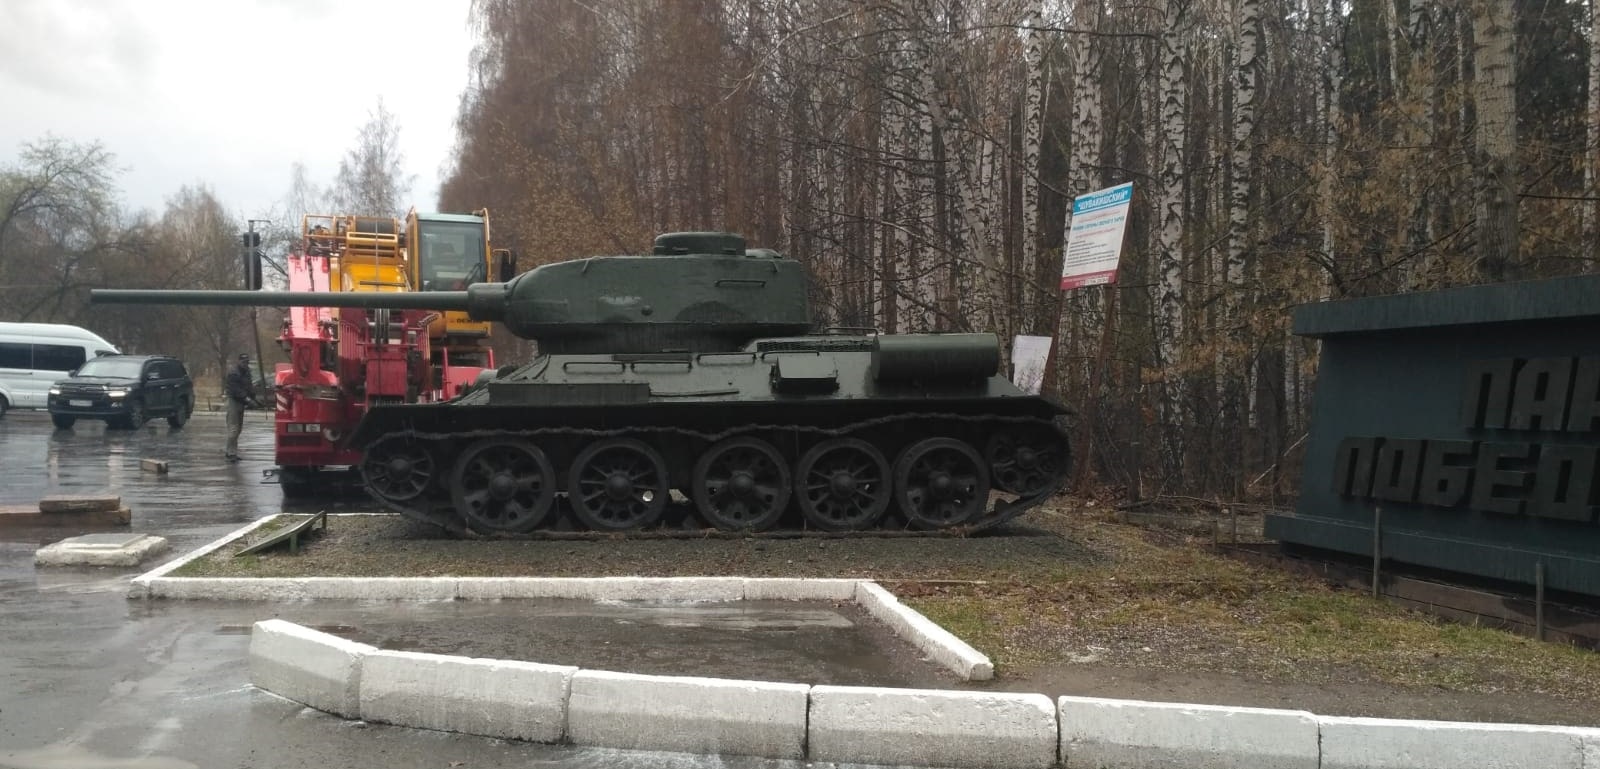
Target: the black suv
(124, 390)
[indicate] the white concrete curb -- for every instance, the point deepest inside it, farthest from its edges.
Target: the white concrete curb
(140, 586)
(1380, 743)
(984, 730)
(525, 700)
(493, 698)
(307, 666)
(939, 644)
(1128, 734)
(925, 727)
(687, 715)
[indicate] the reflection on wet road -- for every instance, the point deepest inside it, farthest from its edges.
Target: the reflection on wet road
(89, 679)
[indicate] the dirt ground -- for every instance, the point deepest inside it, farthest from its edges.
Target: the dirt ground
(1071, 601)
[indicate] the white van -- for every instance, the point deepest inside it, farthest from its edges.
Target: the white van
(34, 355)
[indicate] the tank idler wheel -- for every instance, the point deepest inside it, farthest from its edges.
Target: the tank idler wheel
(618, 484)
(398, 469)
(940, 482)
(1026, 461)
(843, 485)
(503, 485)
(741, 484)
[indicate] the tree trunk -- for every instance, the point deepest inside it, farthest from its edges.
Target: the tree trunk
(1032, 139)
(1170, 220)
(1591, 162)
(1495, 136)
(1247, 41)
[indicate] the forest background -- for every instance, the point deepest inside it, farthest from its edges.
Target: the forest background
(920, 157)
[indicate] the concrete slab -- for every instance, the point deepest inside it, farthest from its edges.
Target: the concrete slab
(687, 715)
(1129, 734)
(1381, 743)
(939, 644)
(72, 503)
(493, 698)
(100, 550)
(929, 727)
(26, 515)
(307, 666)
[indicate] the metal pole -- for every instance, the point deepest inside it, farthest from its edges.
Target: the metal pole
(1538, 600)
(1377, 548)
(255, 329)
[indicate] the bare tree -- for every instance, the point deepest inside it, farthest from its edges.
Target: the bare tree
(371, 180)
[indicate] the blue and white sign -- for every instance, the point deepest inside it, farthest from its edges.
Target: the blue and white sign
(1094, 244)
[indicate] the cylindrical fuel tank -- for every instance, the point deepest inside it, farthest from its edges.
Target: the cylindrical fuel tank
(902, 357)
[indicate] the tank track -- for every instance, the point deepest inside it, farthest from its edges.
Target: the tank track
(1001, 507)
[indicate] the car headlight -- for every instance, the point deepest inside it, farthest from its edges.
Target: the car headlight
(117, 393)
(55, 391)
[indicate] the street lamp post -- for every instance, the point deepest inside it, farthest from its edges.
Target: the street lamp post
(252, 278)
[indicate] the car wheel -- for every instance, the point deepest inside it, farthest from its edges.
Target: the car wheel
(63, 421)
(180, 416)
(3, 407)
(136, 416)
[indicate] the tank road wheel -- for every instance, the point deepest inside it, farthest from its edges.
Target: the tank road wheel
(398, 469)
(843, 485)
(1026, 461)
(741, 484)
(503, 485)
(940, 482)
(618, 484)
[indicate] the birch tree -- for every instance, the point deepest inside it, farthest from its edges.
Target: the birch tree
(1170, 212)
(1590, 212)
(1495, 136)
(1032, 140)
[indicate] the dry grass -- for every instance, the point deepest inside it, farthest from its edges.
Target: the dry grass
(1166, 601)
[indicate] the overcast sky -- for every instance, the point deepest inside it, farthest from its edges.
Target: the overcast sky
(231, 93)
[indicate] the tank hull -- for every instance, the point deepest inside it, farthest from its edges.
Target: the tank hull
(847, 439)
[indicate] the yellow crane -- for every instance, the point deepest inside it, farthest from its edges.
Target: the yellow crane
(448, 252)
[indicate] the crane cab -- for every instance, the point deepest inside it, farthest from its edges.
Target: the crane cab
(449, 252)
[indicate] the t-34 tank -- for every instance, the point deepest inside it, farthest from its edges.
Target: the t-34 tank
(695, 370)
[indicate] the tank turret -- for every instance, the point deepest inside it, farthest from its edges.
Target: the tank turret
(698, 292)
(694, 372)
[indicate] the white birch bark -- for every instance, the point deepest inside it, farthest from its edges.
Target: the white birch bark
(1032, 139)
(1420, 133)
(1246, 42)
(1084, 161)
(927, 283)
(1247, 39)
(1170, 217)
(903, 149)
(947, 120)
(1391, 37)
(1495, 135)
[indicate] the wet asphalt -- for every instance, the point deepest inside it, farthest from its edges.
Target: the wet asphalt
(91, 679)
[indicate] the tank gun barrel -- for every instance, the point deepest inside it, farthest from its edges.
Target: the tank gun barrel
(483, 301)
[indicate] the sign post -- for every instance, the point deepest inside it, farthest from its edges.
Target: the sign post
(1090, 258)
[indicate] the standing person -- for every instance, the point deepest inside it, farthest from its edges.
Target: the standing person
(241, 393)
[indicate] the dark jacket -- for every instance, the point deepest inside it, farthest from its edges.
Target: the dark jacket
(238, 386)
